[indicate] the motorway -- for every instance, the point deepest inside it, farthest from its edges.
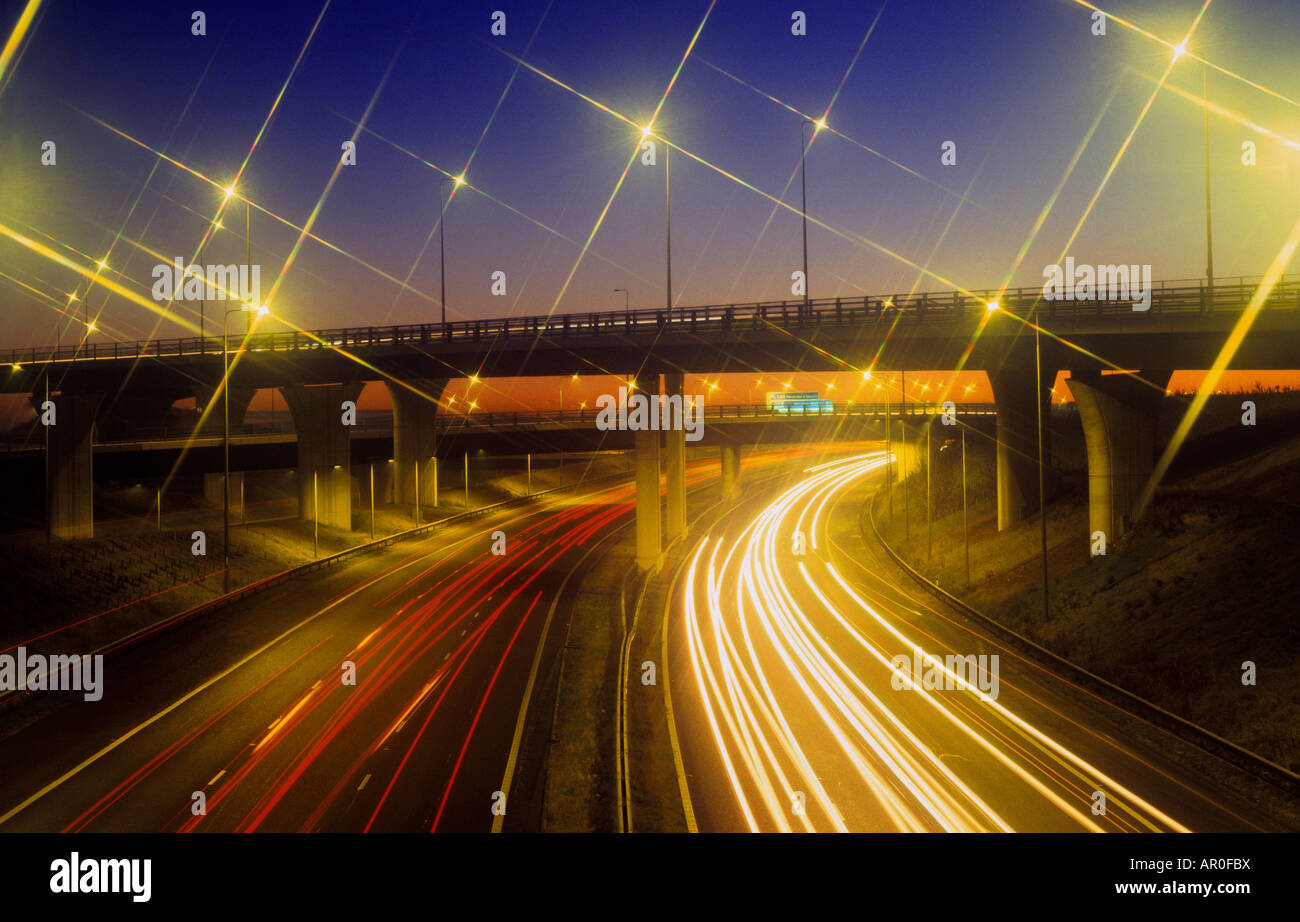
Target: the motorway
(456, 653)
(250, 707)
(792, 714)
(783, 694)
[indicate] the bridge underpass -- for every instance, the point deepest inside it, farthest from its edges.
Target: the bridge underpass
(1185, 328)
(374, 442)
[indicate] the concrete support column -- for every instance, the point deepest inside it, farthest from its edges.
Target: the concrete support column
(324, 451)
(675, 460)
(415, 407)
(70, 493)
(213, 424)
(214, 495)
(1017, 433)
(649, 542)
(730, 471)
(1118, 414)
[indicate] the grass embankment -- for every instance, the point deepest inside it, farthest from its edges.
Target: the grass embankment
(1205, 583)
(101, 589)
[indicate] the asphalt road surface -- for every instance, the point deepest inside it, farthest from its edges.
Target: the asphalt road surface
(793, 713)
(252, 710)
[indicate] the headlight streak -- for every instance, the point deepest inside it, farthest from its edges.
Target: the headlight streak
(768, 753)
(1091, 770)
(759, 571)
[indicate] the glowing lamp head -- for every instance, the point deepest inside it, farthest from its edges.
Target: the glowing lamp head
(645, 133)
(103, 264)
(229, 190)
(1179, 50)
(993, 305)
(90, 327)
(17, 367)
(821, 124)
(460, 180)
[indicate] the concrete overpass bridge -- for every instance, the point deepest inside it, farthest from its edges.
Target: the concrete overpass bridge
(118, 386)
(155, 452)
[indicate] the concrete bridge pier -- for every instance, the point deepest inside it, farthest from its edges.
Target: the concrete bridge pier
(1017, 434)
(70, 492)
(649, 541)
(675, 462)
(213, 423)
(1118, 413)
(415, 410)
(324, 451)
(730, 458)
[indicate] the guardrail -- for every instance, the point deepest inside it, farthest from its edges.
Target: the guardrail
(1108, 691)
(707, 318)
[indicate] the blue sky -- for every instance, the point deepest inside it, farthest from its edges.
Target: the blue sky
(1014, 83)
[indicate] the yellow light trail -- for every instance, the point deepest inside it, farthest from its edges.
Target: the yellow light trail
(222, 187)
(829, 721)
(1123, 148)
(844, 235)
(305, 232)
(9, 53)
(266, 122)
(819, 125)
(470, 186)
(1228, 114)
(646, 131)
(832, 130)
(1221, 362)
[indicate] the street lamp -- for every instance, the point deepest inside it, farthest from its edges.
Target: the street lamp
(668, 224)
(456, 181)
(625, 298)
(1209, 235)
(225, 440)
(803, 186)
(203, 289)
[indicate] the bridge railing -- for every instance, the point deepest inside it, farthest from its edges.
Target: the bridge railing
(795, 313)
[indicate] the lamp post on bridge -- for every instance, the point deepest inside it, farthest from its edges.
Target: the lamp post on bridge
(203, 289)
(1209, 233)
(625, 298)
(804, 143)
(457, 182)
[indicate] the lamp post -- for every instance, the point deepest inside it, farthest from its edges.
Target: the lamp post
(1042, 483)
(803, 186)
(225, 440)
(203, 289)
(625, 298)
(668, 224)
(1209, 235)
(456, 182)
